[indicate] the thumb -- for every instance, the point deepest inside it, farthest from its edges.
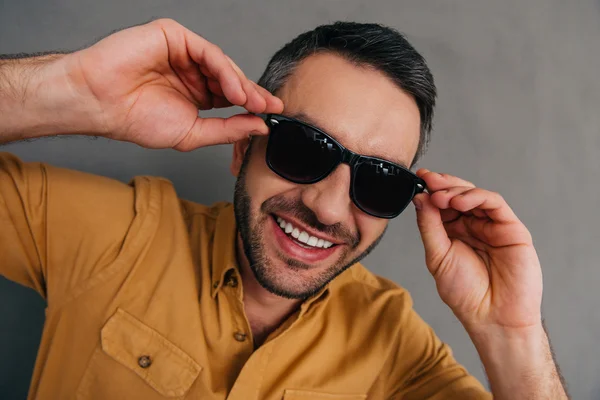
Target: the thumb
(211, 131)
(434, 236)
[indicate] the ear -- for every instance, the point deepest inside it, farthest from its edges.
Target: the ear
(239, 151)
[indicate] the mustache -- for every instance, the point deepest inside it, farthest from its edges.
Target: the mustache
(299, 210)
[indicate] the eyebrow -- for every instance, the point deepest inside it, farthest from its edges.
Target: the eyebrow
(300, 116)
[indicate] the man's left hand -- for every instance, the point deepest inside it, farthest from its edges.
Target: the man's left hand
(480, 254)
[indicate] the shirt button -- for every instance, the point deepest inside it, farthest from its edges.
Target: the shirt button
(239, 336)
(233, 282)
(144, 361)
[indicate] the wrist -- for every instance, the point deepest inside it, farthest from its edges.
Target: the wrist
(40, 98)
(499, 341)
(518, 362)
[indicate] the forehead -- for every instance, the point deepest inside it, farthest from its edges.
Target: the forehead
(357, 105)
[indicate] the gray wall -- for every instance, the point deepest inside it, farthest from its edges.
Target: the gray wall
(518, 113)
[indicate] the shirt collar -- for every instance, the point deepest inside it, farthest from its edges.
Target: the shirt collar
(224, 256)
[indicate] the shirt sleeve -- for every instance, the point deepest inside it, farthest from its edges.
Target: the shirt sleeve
(423, 367)
(59, 227)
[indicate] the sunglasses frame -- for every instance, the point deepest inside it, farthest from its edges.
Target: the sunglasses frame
(348, 157)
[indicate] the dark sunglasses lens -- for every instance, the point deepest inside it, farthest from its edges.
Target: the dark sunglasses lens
(382, 189)
(300, 153)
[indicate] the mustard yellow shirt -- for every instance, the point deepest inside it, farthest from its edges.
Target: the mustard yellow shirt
(144, 301)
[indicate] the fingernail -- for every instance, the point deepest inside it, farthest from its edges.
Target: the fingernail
(418, 203)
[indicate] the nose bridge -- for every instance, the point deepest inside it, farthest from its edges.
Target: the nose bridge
(329, 199)
(340, 176)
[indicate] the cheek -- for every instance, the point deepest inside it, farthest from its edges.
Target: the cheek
(262, 183)
(370, 228)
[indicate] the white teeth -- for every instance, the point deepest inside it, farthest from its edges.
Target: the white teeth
(288, 228)
(302, 236)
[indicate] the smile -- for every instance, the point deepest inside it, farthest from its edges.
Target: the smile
(302, 236)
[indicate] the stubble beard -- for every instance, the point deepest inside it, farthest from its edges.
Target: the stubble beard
(251, 230)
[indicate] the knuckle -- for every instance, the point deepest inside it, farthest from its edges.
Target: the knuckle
(166, 22)
(217, 50)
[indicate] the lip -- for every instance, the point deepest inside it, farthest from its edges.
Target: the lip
(310, 231)
(296, 251)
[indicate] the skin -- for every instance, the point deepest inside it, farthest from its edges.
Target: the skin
(367, 113)
(480, 254)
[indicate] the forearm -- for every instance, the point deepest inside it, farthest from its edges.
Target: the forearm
(38, 98)
(520, 365)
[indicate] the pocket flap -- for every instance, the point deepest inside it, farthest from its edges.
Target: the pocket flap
(294, 394)
(146, 352)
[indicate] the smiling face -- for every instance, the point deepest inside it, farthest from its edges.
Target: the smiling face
(368, 114)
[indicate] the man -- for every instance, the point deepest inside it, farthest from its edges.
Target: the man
(150, 296)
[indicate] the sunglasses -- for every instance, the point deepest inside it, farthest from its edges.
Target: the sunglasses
(304, 154)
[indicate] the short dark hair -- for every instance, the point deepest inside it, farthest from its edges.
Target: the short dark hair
(374, 45)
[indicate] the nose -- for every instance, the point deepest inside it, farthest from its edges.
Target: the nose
(329, 198)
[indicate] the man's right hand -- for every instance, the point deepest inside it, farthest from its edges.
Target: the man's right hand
(145, 85)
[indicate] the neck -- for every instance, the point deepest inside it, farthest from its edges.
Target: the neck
(265, 311)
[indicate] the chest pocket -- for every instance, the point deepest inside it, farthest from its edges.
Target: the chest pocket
(160, 364)
(293, 394)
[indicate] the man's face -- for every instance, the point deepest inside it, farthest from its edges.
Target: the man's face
(368, 114)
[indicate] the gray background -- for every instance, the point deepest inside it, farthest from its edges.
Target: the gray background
(518, 113)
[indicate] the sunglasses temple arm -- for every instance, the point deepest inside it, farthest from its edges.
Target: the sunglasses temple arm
(263, 116)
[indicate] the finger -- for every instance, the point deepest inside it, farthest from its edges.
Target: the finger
(187, 79)
(256, 103)
(461, 230)
(211, 131)
(450, 214)
(214, 64)
(207, 103)
(497, 235)
(436, 181)
(214, 87)
(265, 94)
(434, 236)
(442, 198)
(493, 204)
(221, 102)
(274, 104)
(479, 213)
(481, 227)
(218, 100)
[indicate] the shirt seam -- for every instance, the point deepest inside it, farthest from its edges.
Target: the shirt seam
(145, 222)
